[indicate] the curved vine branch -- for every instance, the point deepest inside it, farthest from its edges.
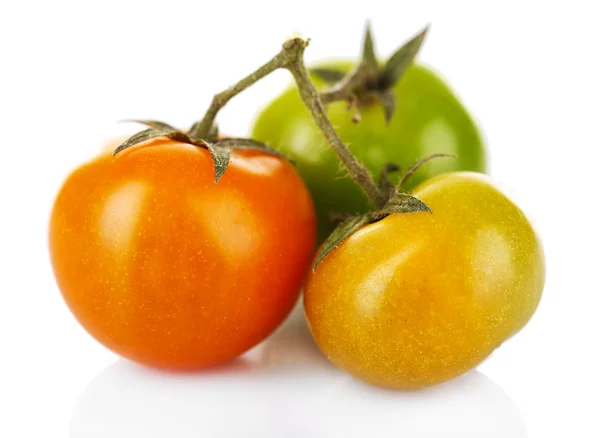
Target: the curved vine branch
(291, 57)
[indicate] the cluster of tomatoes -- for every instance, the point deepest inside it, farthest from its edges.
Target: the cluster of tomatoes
(172, 270)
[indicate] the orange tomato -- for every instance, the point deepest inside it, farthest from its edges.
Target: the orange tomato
(171, 270)
(416, 299)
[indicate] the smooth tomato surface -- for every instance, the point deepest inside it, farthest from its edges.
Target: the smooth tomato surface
(428, 119)
(416, 299)
(169, 269)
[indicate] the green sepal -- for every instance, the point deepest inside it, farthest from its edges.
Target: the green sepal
(344, 230)
(398, 63)
(397, 203)
(387, 100)
(149, 134)
(249, 144)
(154, 124)
(401, 203)
(368, 81)
(412, 169)
(220, 156)
(221, 152)
(329, 75)
(369, 57)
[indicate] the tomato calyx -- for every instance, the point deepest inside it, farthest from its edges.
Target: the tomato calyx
(370, 81)
(398, 202)
(220, 150)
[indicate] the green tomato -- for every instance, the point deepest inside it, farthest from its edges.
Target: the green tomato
(428, 119)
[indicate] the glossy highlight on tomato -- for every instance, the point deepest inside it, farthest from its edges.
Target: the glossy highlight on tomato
(171, 270)
(428, 119)
(416, 299)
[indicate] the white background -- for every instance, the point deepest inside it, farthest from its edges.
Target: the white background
(69, 70)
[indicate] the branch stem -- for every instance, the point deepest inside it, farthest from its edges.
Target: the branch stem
(312, 99)
(291, 57)
(283, 58)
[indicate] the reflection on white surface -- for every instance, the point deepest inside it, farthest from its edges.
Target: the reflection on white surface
(285, 388)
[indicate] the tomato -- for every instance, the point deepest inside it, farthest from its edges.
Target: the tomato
(171, 270)
(428, 119)
(416, 299)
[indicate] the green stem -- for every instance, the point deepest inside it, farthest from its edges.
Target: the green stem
(311, 98)
(345, 89)
(283, 58)
(291, 57)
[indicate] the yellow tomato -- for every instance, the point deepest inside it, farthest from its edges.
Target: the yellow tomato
(417, 299)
